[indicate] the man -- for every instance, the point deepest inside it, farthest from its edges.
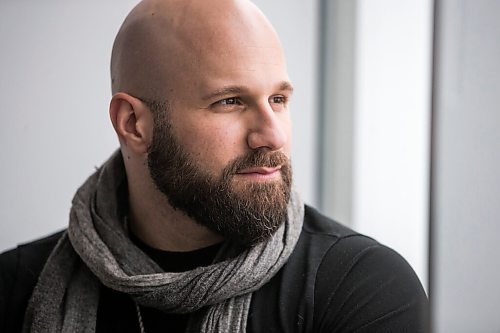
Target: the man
(193, 225)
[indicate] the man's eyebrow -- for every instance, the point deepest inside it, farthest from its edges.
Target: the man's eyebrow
(230, 90)
(224, 91)
(285, 85)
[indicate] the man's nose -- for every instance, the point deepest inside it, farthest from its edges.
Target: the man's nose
(268, 128)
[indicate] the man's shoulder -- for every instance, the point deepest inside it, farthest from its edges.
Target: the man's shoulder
(320, 228)
(30, 256)
(24, 263)
(340, 251)
(325, 241)
(340, 280)
(19, 271)
(317, 223)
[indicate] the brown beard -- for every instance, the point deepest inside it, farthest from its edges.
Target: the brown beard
(244, 212)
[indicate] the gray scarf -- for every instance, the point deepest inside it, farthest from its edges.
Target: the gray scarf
(96, 249)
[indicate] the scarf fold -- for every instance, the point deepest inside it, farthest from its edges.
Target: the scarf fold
(96, 249)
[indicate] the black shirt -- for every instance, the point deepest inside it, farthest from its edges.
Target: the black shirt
(117, 311)
(335, 281)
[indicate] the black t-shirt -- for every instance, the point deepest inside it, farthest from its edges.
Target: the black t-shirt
(335, 281)
(117, 311)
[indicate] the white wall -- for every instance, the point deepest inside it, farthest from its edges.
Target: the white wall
(55, 92)
(54, 88)
(392, 125)
(466, 170)
(377, 107)
(338, 69)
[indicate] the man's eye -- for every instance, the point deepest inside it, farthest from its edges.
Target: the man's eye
(230, 101)
(278, 99)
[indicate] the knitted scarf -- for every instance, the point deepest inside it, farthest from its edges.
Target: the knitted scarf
(96, 249)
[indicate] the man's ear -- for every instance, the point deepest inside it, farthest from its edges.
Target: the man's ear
(133, 122)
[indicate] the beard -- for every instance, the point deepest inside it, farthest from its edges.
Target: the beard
(245, 212)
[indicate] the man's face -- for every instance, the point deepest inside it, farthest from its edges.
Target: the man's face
(243, 212)
(221, 151)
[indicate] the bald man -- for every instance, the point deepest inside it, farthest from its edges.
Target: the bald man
(193, 225)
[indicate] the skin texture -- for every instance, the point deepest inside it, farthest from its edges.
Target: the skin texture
(220, 66)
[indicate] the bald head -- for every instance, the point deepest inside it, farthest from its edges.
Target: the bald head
(163, 41)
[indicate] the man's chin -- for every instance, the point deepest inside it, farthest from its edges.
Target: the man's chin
(250, 183)
(261, 196)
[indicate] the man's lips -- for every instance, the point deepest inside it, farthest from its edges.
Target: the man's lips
(260, 172)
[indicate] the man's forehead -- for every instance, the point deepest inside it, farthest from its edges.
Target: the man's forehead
(217, 92)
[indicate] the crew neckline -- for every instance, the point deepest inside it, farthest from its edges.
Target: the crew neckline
(176, 261)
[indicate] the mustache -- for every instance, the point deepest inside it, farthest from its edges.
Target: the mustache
(256, 158)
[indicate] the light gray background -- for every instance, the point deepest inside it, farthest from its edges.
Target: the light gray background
(465, 289)
(54, 92)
